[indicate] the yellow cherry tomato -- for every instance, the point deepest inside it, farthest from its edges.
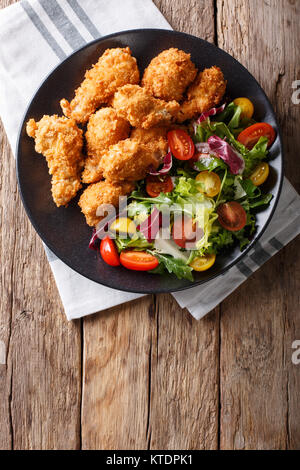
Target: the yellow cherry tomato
(211, 183)
(123, 225)
(260, 174)
(202, 263)
(246, 106)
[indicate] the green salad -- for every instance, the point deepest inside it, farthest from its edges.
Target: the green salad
(203, 199)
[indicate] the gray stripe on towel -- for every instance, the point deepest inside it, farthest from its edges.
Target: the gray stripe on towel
(259, 256)
(276, 243)
(243, 268)
(62, 23)
(84, 18)
(43, 30)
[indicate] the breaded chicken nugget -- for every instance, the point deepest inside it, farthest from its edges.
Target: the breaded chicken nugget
(104, 128)
(129, 160)
(140, 108)
(169, 74)
(60, 141)
(205, 93)
(115, 68)
(152, 135)
(103, 192)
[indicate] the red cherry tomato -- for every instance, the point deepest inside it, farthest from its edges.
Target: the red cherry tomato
(158, 184)
(138, 260)
(251, 135)
(109, 252)
(181, 145)
(232, 216)
(185, 231)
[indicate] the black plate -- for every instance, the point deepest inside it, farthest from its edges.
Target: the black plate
(64, 229)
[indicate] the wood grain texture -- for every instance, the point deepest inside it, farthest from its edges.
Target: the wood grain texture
(184, 379)
(171, 401)
(190, 16)
(259, 383)
(116, 359)
(40, 382)
(151, 376)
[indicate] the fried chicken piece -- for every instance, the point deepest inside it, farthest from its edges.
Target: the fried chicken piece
(135, 104)
(60, 141)
(205, 93)
(104, 128)
(103, 192)
(153, 135)
(115, 68)
(169, 74)
(130, 159)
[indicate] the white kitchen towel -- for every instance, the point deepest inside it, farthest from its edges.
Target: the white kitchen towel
(35, 35)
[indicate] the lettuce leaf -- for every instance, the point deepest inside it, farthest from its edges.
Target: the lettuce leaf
(220, 241)
(252, 157)
(136, 243)
(250, 189)
(210, 163)
(205, 217)
(163, 198)
(139, 211)
(172, 265)
(186, 187)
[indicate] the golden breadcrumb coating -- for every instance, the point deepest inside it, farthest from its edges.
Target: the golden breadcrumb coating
(135, 104)
(205, 93)
(60, 141)
(104, 128)
(115, 68)
(169, 74)
(103, 192)
(130, 159)
(146, 136)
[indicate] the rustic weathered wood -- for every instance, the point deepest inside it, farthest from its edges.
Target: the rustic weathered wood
(173, 358)
(190, 16)
(184, 379)
(117, 354)
(259, 384)
(40, 382)
(151, 374)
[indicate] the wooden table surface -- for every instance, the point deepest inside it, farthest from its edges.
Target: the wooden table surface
(146, 374)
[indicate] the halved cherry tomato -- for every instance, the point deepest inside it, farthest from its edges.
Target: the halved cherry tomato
(232, 216)
(138, 260)
(202, 263)
(251, 135)
(181, 145)
(158, 184)
(260, 174)
(109, 252)
(211, 183)
(185, 231)
(246, 106)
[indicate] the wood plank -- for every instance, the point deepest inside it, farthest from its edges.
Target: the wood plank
(150, 370)
(259, 384)
(117, 355)
(40, 380)
(184, 379)
(193, 16)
